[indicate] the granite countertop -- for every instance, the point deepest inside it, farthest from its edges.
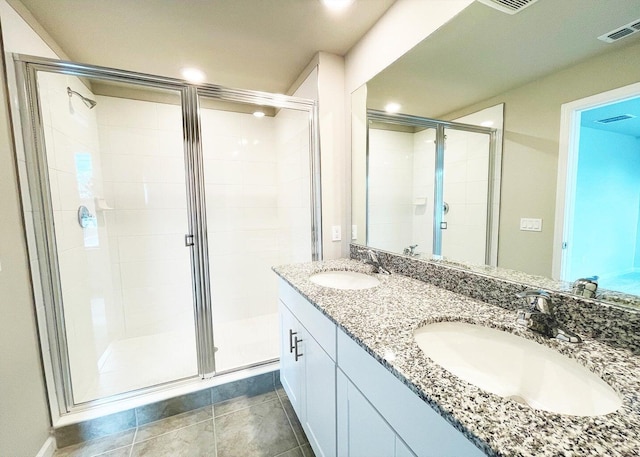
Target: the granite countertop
(382, 320)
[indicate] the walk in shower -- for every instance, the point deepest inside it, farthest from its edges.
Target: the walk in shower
(158, 208)
(431, 188)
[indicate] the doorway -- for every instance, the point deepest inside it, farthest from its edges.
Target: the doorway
(600, 221)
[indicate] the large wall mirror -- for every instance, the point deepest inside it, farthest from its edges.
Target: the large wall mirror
(566, 188)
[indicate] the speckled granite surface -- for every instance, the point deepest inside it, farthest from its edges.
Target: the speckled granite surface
(382, 321)
(609, 296)
(613, 324)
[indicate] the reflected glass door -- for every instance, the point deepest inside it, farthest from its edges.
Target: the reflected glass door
(465, 196)
(401, 167)
(116, 180)
(258, 203)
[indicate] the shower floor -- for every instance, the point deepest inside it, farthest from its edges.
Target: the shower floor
(628, 283)
(135, 363)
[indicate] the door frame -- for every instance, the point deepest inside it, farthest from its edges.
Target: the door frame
(570, 116)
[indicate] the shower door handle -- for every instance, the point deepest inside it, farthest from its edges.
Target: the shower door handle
(291, 345)
(189, 240)
(296, 354)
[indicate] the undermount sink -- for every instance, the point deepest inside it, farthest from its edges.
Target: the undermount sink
(344, 280)
(517, 368)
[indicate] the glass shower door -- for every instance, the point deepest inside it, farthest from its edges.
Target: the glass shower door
(115, 183)
(258, 203)
(465, 196)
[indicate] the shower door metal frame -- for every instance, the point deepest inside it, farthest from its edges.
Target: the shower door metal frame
(438, 192)
(27, 68)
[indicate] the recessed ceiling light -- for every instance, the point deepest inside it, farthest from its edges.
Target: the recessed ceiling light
(486, 123)
(193, 75)
(337, 5)
(258, 113)
(392, 107)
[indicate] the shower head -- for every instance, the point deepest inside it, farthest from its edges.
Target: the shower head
(87, 101)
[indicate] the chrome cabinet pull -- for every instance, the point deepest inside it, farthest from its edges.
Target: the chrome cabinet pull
(291, 345)
(297, 355)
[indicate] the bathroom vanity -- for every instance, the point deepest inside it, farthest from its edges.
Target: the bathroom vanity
(361, 385)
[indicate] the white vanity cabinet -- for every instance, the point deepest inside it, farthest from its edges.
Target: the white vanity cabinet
(348, 403)
(362, 431)
(414, 422)
(308, 368)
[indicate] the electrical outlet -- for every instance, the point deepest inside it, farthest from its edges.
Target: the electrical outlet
(354, 232)
(336, 234)
(528, 224)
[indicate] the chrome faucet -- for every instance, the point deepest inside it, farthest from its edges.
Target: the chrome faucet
(372, 259)
(539, 317)
(411, 250)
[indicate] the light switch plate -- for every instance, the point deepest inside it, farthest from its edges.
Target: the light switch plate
(336, 234)
(529, 224)
(354, 232)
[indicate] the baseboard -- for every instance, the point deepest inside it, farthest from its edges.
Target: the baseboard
(48, 448)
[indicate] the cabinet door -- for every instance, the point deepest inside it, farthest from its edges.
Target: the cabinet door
(319, 420)
(291, 372)
(402, 450)
(362, 432)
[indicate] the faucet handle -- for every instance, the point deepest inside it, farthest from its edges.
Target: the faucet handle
(586, 287)
(537, 300)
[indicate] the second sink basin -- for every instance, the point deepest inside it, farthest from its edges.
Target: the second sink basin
(517, 368)
(344, 280)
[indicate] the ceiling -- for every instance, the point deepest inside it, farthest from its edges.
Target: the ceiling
(482, 52)
(630, 126)
(250, 44)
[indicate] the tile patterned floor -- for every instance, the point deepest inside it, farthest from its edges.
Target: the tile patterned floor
(262, 426)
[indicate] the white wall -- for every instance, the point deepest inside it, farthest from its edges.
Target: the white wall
(334, 157)
(25, 421)
(404, 25)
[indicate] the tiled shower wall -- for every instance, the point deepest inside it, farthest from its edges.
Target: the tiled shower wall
(145, 209)
(423, 172)
(390, 189)
(401, 190)
(258, 215)
(466, 171)
(92, 315)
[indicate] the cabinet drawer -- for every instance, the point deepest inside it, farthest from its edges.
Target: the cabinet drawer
(424, 430)
(316, 323)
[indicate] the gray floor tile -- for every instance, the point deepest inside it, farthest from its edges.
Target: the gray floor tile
(293, 418)
(297, 452)
(121, 452)
(172, 423)
(98, 446)
(244, 401)
(260, 430)
(194, 441)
